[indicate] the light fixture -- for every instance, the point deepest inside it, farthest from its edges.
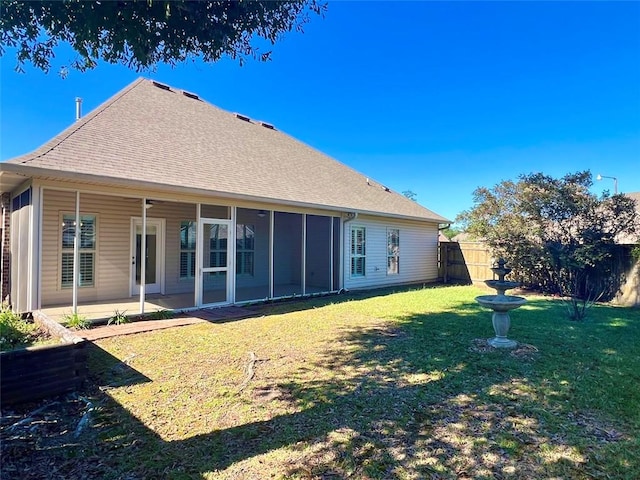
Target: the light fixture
(148, 204)
(262, 213)
(615, 182)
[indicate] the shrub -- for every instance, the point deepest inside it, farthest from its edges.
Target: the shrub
(76, 321)
(161, 315)
(119, 318)
(14, 330)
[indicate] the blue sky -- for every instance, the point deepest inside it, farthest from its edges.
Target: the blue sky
(434, 97)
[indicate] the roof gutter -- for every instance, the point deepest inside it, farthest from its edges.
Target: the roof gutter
(30, 171)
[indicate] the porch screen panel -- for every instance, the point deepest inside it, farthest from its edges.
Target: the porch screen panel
(318, 254)
(287, 254)
(214, 255)
(337, 235)
(252, 254)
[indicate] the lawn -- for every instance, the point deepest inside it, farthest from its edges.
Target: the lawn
(396, 385)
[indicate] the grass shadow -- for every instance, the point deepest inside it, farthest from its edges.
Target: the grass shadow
(407, 396)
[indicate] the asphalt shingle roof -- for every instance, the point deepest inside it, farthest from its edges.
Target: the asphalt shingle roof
(167, 137)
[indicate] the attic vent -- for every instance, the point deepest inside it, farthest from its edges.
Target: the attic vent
(386, 189)
(267, 125)
(191, 95)
(243, 117)
(162, 86)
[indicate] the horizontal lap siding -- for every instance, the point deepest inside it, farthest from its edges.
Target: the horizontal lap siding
(113, 250)
(418, 252)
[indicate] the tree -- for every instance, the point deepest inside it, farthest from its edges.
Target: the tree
(451, 231)
(411, 195)
(142, 33)
(557, 235)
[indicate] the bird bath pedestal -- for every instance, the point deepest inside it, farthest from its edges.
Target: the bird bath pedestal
(501, 304)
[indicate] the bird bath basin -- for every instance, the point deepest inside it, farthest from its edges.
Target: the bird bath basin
(501, 304)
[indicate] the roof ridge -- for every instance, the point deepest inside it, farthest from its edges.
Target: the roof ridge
(77, 126)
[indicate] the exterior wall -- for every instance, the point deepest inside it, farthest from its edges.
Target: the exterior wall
(113, 249)
(418, 252)
(113, 260)
(22, 237)
(113, 263)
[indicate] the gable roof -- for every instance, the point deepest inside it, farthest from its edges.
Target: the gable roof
(154, 135)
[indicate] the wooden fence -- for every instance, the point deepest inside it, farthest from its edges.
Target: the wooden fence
(38, 372)
(464, 262)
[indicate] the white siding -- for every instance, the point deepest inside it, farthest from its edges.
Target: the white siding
(418, 252)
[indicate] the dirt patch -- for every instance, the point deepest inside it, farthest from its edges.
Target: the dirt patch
(522, 351)
(38, 438)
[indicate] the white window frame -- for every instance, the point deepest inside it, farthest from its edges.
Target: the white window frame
(69, 250)
(393, 251)
(357, 255)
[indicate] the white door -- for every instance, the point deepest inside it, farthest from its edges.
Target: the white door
(215, 253)
(154, 256)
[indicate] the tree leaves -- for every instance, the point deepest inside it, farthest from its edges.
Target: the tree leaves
(141, 34)
(556, 234)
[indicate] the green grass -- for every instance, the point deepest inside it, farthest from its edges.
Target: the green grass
(388, 386)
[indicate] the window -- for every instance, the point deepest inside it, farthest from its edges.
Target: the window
(187, 249)
(245, 248)
(218, 247)
(358, 252)
(393, 251)
(86, 249)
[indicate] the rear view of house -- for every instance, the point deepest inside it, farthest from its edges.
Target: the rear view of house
(161, 197)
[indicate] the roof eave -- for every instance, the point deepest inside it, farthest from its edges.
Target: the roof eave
(21, 171)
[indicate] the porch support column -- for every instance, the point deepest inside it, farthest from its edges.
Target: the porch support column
(143, 256)
(76, 254)
(331, 256)
(271, 237)
(197, 301)
(304, 254)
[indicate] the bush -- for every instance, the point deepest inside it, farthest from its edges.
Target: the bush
(119, 318)
(76, 321)
(14, 331)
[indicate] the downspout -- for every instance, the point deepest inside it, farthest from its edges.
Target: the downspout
(350, 217)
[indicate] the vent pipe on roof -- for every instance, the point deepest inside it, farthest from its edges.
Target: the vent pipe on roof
(78, 108)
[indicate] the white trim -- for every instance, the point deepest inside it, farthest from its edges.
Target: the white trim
(271, 238)
(304, 254)
(76, 255)
(200, 245)
(40, 226)
(198, 276)
(331, 256)
(231, 258)
(160, 224)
